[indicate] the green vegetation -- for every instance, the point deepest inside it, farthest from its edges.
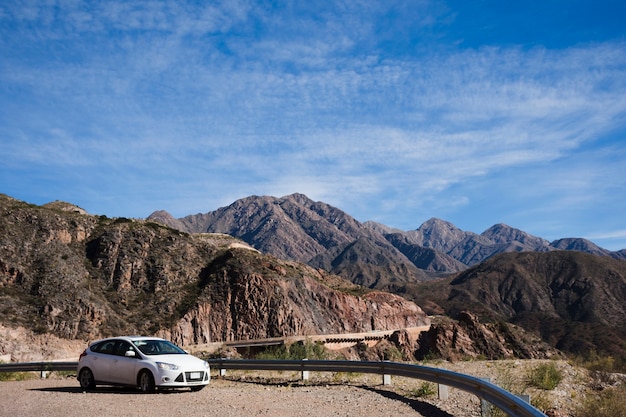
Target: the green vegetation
(545, 376)
(296, 351)
(601, 365)
(607, 403)
(506, 380)
(392, 353)
(426, 389)
(121, 220)
(541, 401)
(16, 376)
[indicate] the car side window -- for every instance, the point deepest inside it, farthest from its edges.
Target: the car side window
(122, 347)
(106, 347)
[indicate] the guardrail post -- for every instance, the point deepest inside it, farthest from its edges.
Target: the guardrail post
(484, 404)
(386, 377)
(305, 374)
(442, 391)
(43, 374)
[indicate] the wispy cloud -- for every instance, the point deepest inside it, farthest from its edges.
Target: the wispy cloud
(358, 105)
(614, 234)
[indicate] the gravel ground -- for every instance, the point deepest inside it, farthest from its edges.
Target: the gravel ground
(62, 397)
(274, 394)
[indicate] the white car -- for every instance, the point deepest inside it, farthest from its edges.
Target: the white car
(144, 362)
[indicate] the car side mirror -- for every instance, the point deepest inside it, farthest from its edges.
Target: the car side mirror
(130, 354)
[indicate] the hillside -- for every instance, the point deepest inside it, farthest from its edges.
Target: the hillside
(72, 275)
(77, 276)
(575, 301)
(297, 228)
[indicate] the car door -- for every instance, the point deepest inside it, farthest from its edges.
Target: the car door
(123, 369)
(100, 360)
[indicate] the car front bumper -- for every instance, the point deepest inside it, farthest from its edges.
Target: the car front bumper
(175, 379)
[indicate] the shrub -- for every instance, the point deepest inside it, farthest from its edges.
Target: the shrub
(274, 353)
(297, 351)
(506, 380)
(307, 350)
(16, 376)
(426, 389)
(392, 353)
(545, 376)
(606, 403)
(542, 401)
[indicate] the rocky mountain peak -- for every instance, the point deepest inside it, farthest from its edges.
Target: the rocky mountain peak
(502, 233)
(438, 234)
(579, 244)
(165, 218)
(298, 198)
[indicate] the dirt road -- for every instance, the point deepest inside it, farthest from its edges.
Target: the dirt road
(63, 398)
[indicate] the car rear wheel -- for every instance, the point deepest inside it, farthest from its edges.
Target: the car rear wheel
(146, 382)
(86, 379)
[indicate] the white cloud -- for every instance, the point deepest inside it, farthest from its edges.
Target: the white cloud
(613, 234)
(181, 94)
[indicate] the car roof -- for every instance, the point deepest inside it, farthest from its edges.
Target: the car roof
(127, 338)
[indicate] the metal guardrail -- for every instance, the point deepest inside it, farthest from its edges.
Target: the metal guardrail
(499, 397)
(506, 401)
(38, 366)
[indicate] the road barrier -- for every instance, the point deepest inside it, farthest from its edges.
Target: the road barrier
(499, 397)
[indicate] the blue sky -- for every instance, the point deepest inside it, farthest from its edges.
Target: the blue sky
(475, 112)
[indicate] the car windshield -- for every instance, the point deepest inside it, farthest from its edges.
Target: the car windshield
(157, 347)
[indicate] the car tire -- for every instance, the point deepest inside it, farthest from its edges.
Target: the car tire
(86, 379)
(146, 382)
(197, 388)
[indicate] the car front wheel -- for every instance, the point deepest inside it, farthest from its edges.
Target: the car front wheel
(146, 382)
(86, 379)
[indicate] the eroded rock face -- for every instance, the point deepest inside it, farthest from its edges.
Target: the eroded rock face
(468, 338)
(80, 277)
(273, 303)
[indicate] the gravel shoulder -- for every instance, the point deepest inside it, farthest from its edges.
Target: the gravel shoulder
(64, 398)
(242, 393)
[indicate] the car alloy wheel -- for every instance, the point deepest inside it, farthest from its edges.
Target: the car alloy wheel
(86, 379)
(146, 382)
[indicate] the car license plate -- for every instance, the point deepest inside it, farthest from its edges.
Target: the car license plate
(195, 375)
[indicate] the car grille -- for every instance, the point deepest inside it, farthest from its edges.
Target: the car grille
(191, 377)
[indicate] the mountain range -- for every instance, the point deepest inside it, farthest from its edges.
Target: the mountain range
(74, 276)
(371, 254)
(265, 267)
(569, 291)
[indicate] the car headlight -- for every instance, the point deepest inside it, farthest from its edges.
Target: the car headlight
(167, 366)
(206, 365)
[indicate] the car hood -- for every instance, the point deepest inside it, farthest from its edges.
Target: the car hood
(186, 361)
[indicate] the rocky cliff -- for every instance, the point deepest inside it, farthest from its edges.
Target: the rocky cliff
(465, 337)
(76, 276)
(575, 301)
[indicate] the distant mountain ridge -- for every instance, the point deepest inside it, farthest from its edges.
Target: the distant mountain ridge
(569, 292)
(574, 300)
(298, 228)
(75, 275)
(82, 277)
